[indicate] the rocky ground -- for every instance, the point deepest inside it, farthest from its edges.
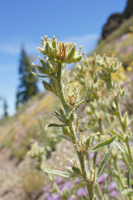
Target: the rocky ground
(11, 178)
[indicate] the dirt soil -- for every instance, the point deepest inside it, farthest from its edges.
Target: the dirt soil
(11, 179)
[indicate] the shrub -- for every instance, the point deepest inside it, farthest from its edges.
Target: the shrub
(109, 135)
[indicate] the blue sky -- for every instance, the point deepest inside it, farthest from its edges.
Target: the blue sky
(24, 22)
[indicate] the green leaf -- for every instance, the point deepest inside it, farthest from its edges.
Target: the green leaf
(129, 178)
(59, 173)
(55, 125)
(119, 146)
(132, 182)
(103, 163)
(39, 75)
(101, 144)
(119, 136)
(128, 191)
(129, 122)
(83, 100)
(65, 137)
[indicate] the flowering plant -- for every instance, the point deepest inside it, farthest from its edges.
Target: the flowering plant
(109, 131)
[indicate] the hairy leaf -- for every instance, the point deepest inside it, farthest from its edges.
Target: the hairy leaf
(55, 125)
(103, 163)
(119, 146)
(83, 100)
(129, 122)
(59, 173)
(119, 136)
(101, 144)
(127, 191)
(39, 75)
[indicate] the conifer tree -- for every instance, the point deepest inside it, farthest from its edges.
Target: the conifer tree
(28, 83)
(5, 106)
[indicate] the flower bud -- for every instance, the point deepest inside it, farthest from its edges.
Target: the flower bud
(71, 53)
(77, 58)
(125, 119)
(69, 169)
(42, 70)
(54, 86)
(42, 62)
(47, 86)
(42, 50)
(42, 41)
(82, 139)
(54, 43)
(80, 68)
(92, 176)
(60, 52)
(66, 131)
(93, 105)
(78, 51)
(72, 115)
(130, 133)
(87, 143)
(76, 170)
(48, 48)
(89, 111)
(41, 167)
(50, 68)
(123, 92)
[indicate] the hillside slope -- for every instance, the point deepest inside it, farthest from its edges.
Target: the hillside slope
(119, 43)
(18, 177)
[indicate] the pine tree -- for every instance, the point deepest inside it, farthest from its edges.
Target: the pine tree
(0, 109)
(28, 82)
(5, 106)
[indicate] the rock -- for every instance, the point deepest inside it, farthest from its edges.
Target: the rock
(115, 20)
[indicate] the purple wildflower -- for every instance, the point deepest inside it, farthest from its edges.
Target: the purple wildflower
(72, 198)
(131, 143)
(67, 185)
(102, 178)
(54, 197)
(123, 37)
(81, 191)
(47, 188)
(112, 186)
(47, 194)
(50, 198)
(114, 193)
(77, 181)
(125, 83)
(91, 155)
(58, 180)
(60, 187)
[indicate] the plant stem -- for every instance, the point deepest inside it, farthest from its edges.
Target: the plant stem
(61, 95)
(123, 128)
(119, 178)
(119, 116)
(119, 174)
(129, 149)
(80, 155)
(55, 186)
(99, 191)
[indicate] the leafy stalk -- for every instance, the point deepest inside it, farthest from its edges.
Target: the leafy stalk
(74, 140)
